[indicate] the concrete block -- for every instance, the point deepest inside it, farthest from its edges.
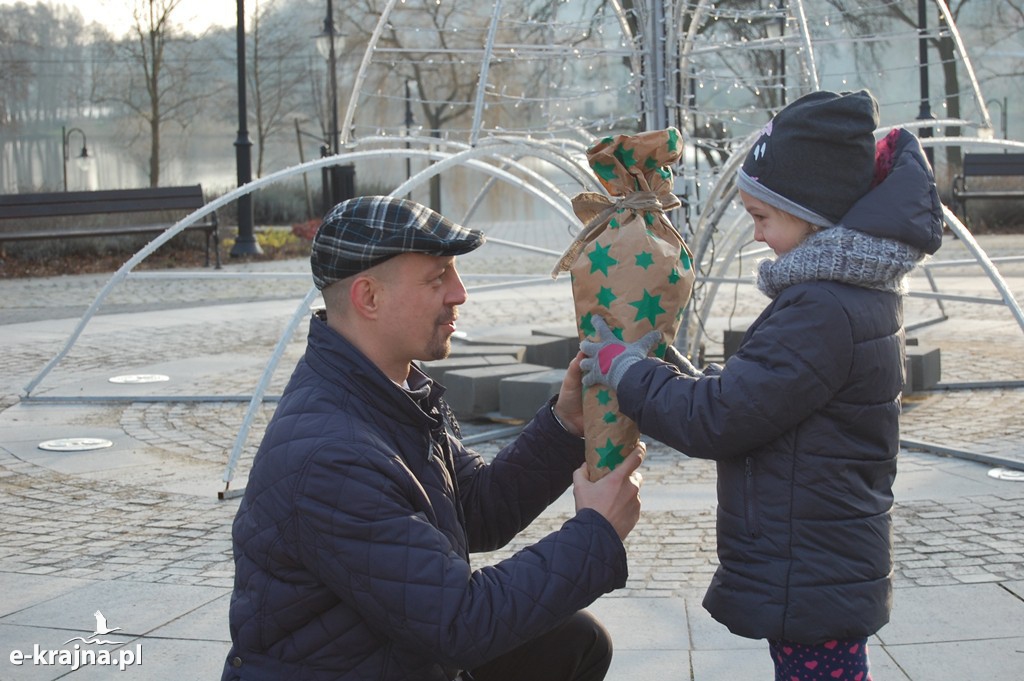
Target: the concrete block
(569, 335)
(462, 349)
(549, 351)
(520, 397)
(731, 342)
(438, 368)
(474, 392)
(566, 331)
(924, 368)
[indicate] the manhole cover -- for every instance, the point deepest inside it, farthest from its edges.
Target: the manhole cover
(75, 444)
(1006, 474)
(139, 378)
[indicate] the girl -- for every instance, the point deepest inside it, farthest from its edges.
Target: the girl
(803, 420)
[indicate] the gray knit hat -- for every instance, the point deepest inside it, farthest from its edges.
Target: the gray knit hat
(816, 157)
(365, 231)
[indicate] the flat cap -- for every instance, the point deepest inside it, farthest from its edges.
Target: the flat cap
(367, 230)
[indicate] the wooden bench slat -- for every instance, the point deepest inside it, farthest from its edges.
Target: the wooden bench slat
(996, 165)
(987, 165)
(104, 202)
(56, 204)
(107, 230)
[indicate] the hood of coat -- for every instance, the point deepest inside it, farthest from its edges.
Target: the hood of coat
(904, 205)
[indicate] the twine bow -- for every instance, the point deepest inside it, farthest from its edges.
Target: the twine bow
(589, 202)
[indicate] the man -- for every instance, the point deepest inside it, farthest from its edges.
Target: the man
(352, 541)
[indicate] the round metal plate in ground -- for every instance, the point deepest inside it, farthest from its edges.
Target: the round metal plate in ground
(139, 378)
(75, 444)
(1006, 474)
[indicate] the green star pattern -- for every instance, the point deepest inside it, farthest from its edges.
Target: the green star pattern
(603, 397)
(644, 259)
(684, 258)
(673, 139)
(610, 417)
(587, 324)
(605, 171)
(648, 307)
(674, 276)
(605, 297)
(600, 261)
(626, 157)
(610, 455)
(613, 223)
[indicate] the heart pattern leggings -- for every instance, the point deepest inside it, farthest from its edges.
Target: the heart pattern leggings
(840, 660)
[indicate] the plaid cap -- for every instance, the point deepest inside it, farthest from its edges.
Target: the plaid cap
(367, 230)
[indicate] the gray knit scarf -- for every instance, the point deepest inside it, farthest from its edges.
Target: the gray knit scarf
(843, 255)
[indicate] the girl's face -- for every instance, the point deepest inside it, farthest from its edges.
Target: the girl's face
(779, 229)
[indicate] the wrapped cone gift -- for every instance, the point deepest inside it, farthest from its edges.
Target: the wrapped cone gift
(630, 266)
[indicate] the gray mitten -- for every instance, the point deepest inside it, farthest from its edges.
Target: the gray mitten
(608, 358)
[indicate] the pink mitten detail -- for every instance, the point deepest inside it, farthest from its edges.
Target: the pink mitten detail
(607, 355)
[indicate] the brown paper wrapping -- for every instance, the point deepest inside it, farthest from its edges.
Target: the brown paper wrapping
(629, 265)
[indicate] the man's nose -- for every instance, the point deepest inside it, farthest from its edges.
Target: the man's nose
(458, 294)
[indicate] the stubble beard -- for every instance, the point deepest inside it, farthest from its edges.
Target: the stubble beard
(441, 344)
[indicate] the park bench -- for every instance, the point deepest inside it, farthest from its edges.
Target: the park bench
(41, 216)
(987, 165)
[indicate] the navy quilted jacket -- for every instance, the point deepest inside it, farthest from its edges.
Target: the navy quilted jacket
(352, 541)
(804, 424)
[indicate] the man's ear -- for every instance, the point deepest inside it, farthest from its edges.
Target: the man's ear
(364, 296)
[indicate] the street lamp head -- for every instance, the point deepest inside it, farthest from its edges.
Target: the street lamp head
(83, 159)
(323, 40)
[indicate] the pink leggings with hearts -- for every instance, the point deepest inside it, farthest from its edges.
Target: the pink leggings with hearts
(845, 660)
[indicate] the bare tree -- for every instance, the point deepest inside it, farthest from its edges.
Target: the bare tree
(940, 40)
(159, 88)
(274, 83)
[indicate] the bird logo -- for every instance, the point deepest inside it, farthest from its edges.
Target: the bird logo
(101, 630)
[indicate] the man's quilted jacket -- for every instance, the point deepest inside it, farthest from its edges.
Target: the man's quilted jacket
(352, 541)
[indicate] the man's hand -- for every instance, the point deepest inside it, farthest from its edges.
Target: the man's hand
(608, 358)
(616, 496)
(568, 407)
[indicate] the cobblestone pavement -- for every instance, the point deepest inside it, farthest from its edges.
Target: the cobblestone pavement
(184, 538)
(149, 513)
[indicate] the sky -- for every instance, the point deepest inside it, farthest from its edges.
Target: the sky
(117, 14)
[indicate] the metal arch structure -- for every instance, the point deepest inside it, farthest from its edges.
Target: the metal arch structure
(721, 230)
(545, 192)
(666, 60)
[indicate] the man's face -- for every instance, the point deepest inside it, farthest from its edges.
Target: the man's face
(420, 296)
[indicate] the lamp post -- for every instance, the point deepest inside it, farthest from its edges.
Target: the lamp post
(925, 112)
(83, 156)
(409, 121)
(246, 243)
(328, 42)
(779, 31)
